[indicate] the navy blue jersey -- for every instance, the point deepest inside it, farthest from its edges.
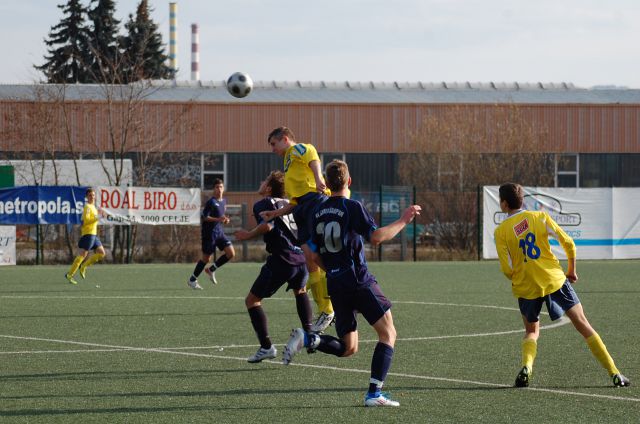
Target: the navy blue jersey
(340, 224)
(281, 240)
(214, 208)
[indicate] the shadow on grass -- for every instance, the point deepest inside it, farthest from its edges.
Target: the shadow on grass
(124, 375)
(214, 394)
(151, 410)
(226, 391)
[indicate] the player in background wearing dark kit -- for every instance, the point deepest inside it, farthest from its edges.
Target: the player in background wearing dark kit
(88, 239)
(526, 259)
(285, 264)
(337, 242)
(212, 235)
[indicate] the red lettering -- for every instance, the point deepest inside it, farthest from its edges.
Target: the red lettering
(125, 200)
(115, 199)
(162, 199)
(133, 201)
(129, 200)
(147, 200)
(104, 198)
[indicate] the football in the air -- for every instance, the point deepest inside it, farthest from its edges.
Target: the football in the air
(239, 84)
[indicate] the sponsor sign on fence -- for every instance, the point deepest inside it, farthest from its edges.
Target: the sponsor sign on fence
(147, 205)
(120, 205)
(41, 205)
(603, 222)
(7, 245)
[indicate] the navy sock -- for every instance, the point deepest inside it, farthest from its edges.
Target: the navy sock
(380, 364)
(259, 322)
(198, 269)
(331, 345)
(304, 311)
(219, 262)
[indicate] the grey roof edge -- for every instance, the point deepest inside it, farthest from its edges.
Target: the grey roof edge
(340, 92)
(348, 85)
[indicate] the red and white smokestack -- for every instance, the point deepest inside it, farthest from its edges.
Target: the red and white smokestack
(173, 36)
(195, 53)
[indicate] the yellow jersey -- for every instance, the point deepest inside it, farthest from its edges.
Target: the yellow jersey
(90, 220)
(298, 176)
(522, 242)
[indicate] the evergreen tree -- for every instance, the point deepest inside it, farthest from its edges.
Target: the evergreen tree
(143, 48)
(104, 42)
(68, 56)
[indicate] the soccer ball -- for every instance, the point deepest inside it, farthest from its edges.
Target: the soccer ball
(239, 84)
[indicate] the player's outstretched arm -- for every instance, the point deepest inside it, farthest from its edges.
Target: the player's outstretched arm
(269, 215)
(390, 231)
(255, 232)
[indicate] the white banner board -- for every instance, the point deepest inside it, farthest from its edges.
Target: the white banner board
(7, 245)
(67, 172)
(148, 205)
(603, 222)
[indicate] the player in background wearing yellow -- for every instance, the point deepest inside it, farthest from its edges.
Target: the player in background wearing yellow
(522, 242)
(306, 189)
(89, 239)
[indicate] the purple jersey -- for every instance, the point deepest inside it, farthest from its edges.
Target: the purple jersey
(281, 240)
(340, 224)
(214, 208)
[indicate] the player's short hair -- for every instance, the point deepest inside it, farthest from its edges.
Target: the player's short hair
(275, 181)
(217, 181)
(337, 173)
(280, 132)
(513, 194)
(89, 190)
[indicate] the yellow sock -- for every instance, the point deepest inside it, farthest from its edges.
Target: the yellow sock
(75, 265)
(599, 350)
(318, 286)
(93, 259)
(323, 293)
(529, 352)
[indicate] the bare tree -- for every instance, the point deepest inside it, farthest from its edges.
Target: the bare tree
(108, 121)
(460, 148)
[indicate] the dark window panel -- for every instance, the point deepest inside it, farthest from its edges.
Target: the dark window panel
(245, 171)
(567, 180)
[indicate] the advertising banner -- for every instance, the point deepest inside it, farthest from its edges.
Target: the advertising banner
(41, 205)
(148, 205)
(603, 222)
(7, 245)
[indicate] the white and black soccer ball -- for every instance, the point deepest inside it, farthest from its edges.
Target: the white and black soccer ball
(239, 84)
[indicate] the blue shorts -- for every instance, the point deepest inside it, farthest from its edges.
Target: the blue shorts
(558, 302)
(89, 242)
(274, 273)
(303, 212)
(367, 299)
(209, 245)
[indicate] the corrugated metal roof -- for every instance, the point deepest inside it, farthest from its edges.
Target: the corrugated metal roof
(321, 92)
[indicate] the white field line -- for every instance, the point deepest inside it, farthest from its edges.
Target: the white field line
(90, 297)
(561, 322)
(331, 368)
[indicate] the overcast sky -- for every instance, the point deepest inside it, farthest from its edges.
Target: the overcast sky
(586, 42)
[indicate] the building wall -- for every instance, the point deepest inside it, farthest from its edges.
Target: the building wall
(381, 128)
